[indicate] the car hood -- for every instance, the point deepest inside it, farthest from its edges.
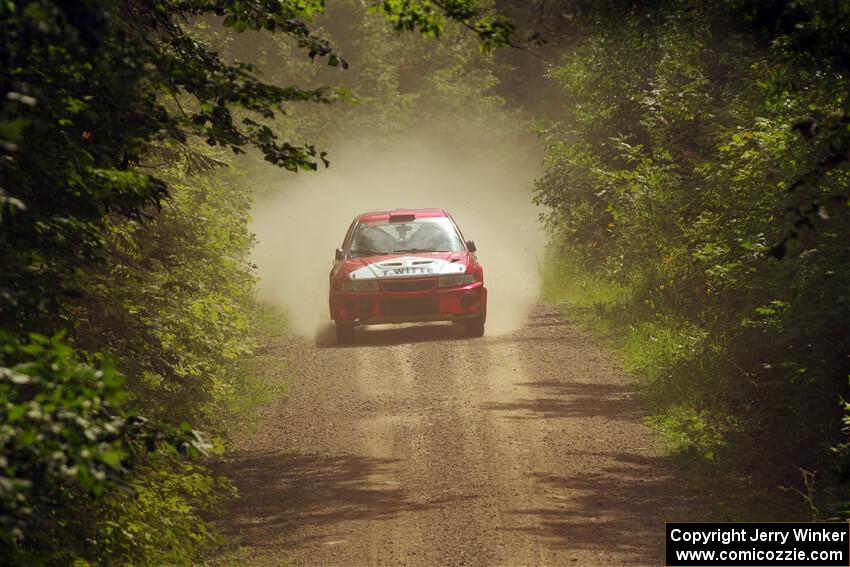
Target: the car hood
(407, 265)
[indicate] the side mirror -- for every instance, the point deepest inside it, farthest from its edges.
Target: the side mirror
(338, 254)
(470, 245)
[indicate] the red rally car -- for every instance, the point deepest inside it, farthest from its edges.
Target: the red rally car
(403, 266)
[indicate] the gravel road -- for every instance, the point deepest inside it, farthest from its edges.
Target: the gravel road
(416, 446)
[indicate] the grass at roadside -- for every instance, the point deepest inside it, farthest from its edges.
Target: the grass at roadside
(264, 377)
(261, 383)
(680, 369)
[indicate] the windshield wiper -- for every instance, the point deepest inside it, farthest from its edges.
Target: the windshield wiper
(366, 252)
(417, 250)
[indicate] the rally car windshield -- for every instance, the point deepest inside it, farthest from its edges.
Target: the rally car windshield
(431, 234)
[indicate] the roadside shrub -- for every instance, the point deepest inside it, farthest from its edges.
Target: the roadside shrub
(66, 442)
(683, 173)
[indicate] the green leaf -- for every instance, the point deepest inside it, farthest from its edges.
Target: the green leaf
(113, 458)
(11, 130)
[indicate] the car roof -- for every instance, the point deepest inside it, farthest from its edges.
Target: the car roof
(418, 213)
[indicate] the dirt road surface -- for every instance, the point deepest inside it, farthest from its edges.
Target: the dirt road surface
(418, 447)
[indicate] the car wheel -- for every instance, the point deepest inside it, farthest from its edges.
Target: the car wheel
(344, 333)
(475, 327)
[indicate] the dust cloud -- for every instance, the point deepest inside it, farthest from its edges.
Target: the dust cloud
(299, 224)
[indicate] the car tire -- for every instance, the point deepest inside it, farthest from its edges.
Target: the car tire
(475, 327)
(344, 333)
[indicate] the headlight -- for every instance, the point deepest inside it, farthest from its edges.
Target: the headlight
(366, 285)
(455, 281)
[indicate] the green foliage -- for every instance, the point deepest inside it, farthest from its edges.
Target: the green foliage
(176, 292)
(565, 282)
(172, 304)
(676, 173)
(161, 519)
(65, 439)
(395, 96)
(688, 431)
(88, 93)
(429, 17)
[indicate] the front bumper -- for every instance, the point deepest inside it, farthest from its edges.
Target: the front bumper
(374, 308)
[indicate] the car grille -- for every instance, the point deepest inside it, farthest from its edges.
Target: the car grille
(412, 306)
(409, 285)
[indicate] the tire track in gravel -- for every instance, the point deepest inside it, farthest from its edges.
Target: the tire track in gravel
(417, 447)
